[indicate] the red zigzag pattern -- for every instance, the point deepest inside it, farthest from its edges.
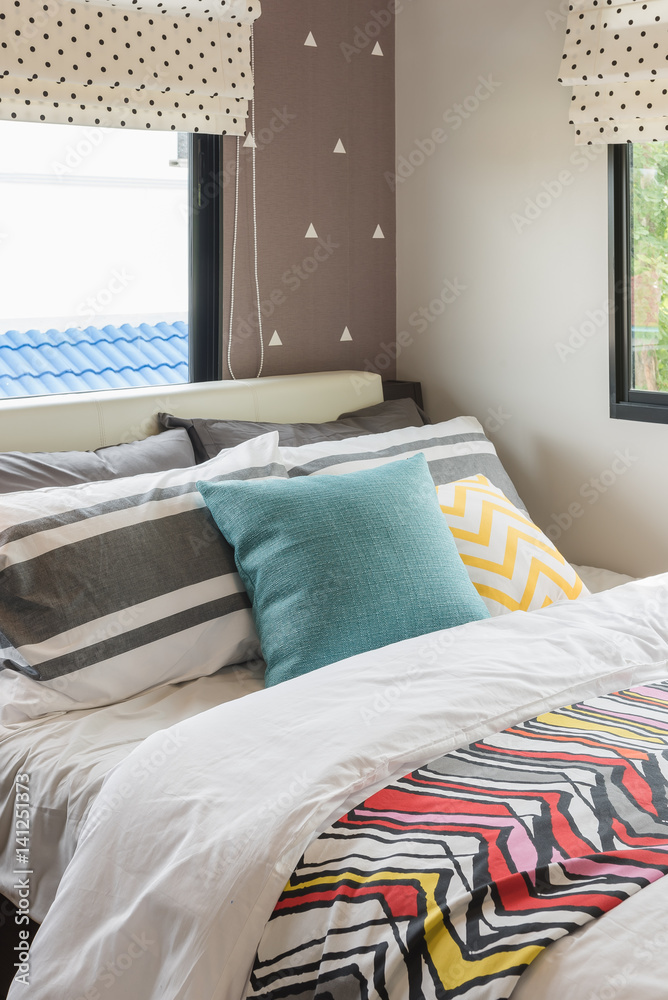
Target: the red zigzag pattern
(450, 881)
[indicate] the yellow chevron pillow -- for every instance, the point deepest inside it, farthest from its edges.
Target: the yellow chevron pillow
(511, 563)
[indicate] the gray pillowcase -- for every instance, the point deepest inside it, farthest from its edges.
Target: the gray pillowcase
(208, 437)
(454, 449)
(32, 471)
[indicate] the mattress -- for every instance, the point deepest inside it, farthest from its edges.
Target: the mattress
(68, 756)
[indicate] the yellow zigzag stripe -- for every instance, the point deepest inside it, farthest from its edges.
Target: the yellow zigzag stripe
(484, 534)
(453, 968)
(645, 727)
(566, 722)
(514, 534)
(536, 569)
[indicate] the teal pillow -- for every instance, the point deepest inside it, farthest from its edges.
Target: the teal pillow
(338, 565)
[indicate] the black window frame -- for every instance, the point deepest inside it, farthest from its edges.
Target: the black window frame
(205, 305)
(626, 403)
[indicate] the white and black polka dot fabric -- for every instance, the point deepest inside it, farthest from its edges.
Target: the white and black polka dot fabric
(182, 65)
(616, 60)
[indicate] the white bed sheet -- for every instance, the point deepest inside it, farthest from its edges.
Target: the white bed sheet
(67, 757)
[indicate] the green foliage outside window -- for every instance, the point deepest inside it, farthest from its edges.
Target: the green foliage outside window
(649, 193)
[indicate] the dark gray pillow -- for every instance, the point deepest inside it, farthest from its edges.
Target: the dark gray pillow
(31, 471)
(208, 437)
(407, 407)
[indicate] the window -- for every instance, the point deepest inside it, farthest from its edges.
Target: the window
(109, 244)
(639, 281)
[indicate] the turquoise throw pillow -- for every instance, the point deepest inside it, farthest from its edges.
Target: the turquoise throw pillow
(338, 565)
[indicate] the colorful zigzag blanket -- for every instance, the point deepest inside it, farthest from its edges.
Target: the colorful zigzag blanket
(451, 880)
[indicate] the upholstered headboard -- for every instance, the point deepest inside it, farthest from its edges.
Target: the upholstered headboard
(93, 419)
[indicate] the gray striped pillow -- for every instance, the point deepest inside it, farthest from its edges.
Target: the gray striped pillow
(110, 588)
(454, 449)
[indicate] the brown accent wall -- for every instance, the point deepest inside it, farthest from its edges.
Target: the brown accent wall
(308, 98)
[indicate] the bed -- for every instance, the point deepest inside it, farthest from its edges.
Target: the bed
(216, 801)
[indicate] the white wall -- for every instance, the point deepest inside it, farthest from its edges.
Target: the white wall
(528, 286)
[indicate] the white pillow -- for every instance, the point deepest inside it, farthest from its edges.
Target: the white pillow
(110, 588)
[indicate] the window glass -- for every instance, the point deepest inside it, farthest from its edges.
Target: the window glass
(93, 258)
(649, 267)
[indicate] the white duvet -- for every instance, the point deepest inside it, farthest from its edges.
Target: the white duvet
(183, 855)
(67, 757)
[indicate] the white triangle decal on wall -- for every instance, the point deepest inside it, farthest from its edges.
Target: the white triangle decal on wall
(376, 50)
(311, 40)
(339, 148)
(311, 233)
(346, 335)
(275, 340)
(379, 234)
(250, 141)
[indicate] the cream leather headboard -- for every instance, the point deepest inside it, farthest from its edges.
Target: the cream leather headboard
(88, 420)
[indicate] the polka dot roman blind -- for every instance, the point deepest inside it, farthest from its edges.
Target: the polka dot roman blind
(616, 60)
(182, 65)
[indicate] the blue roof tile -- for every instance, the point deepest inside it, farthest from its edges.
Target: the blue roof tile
(73, 360)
